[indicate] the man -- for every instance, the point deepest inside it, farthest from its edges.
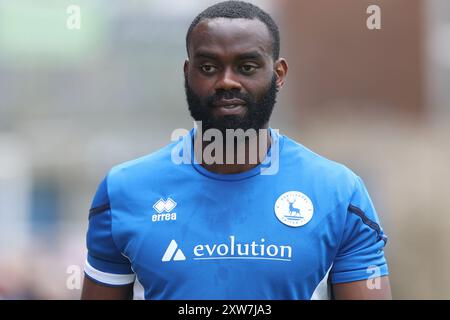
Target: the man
(189, 222)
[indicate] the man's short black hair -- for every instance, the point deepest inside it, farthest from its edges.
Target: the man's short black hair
(236, 10)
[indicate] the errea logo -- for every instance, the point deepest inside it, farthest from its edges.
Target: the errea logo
(166, 206)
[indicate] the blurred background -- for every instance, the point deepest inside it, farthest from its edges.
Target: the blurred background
(74, 102)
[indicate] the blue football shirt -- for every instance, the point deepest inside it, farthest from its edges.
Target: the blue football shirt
(286, 229)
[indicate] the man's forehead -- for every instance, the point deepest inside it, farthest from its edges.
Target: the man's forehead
(225, 34)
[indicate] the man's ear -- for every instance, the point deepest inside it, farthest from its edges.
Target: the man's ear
(186, 67)
(281, 69)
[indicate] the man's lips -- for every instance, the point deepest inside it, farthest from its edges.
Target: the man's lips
(229, 106)
(229, 102)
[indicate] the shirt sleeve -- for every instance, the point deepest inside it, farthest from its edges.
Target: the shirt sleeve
(361, 254)
(105, 263)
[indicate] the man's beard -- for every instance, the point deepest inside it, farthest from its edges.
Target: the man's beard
(257, 113)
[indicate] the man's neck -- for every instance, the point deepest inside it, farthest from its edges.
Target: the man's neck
(243, 155)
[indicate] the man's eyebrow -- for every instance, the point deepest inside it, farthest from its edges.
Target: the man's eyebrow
(250, 55)
(206, 54)
(241, 56)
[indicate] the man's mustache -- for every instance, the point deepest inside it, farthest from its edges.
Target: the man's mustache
(228, 95)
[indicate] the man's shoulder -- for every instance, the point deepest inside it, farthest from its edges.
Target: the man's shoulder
(157, 161)
(318, 166)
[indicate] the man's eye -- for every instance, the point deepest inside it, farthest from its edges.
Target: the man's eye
(248, 68)
(207, 68)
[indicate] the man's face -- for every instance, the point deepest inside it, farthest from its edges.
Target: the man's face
(230, 79)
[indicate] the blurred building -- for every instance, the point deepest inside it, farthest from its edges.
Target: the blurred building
(337, 62)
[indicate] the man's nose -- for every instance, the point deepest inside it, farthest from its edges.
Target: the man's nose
(228, 81)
